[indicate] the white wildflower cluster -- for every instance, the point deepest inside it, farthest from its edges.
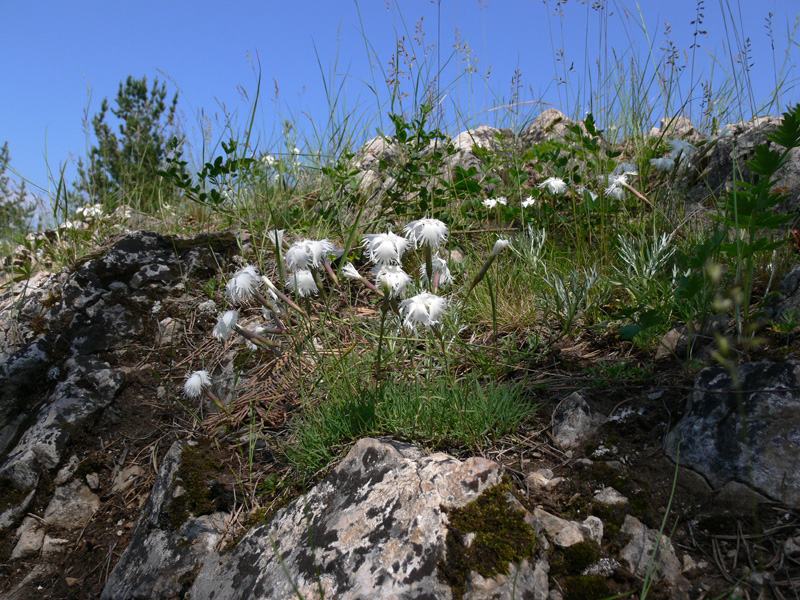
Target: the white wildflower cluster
(386, 250)
(493, 202)
(268, 160)
(89, 212)
(554, 185)
(302, 259)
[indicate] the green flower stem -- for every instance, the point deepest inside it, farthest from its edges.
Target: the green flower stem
(331, 274)
(384, 310)
(482, 273)
(213, 397)
(429, 263)
(258, 340)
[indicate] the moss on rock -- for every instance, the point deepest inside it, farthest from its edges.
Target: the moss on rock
(198, 476)
(486, 536)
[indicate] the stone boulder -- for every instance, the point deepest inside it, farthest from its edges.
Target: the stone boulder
(378, 526)
(552, 124)
(750, 434)
(724, 162)
(164, 555)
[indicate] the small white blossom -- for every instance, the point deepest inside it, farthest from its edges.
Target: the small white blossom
(351, 272)
(616, 187)
(529, 201)
(554, 185)
(663, 164)
(492, 202)
(302, 282)
(385, 248)
(625, 169)
(275, 236)
(392, 280)
(268, 160)
(426, 232)
(499, 246)
(296, 150)
(307, 253)
(423, 309)
(440, 267)
(681, 150)
(581, 190)
(225, 325)
(195, 383)
(242, 285)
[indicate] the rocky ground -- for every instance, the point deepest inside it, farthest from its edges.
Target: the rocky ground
(116, 486)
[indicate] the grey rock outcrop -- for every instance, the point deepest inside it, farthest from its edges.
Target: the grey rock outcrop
(725, 161)
(53, 380)
(751, 435)
(552, 124)
(375, 527)
(161, 559)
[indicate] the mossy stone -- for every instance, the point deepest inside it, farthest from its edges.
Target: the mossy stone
(197, 475)
(501, 537)
(586, 587)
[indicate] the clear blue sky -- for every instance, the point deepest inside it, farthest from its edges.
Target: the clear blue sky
(59, 58)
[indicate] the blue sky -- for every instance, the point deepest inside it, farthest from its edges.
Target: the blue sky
(60, 59)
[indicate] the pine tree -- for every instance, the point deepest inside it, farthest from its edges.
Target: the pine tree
(16, 209)
(123, 166)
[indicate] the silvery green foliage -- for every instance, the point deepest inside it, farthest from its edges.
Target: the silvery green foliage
(571, 296)
(530, 247)
(642, 260)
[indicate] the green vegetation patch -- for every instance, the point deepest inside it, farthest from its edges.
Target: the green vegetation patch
(197, 475)
(501, 537)
(586, 587)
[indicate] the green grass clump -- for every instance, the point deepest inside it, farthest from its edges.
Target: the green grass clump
(464, 414)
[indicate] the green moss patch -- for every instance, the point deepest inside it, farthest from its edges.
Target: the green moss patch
(501, 537)
(586, 587)
(198, 475)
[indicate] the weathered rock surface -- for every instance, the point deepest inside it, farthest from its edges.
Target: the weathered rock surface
(161, 560)
(749, 435)
(574, 422)
(650, 554)
(725, 162)
(53, 380)
(373, 528)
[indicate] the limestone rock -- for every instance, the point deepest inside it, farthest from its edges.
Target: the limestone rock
(609, 495)
(550, 125)
(564, 533)
(159, 558)
(639, 551)
(750, 436)
(573, 421)
(375, 527)
(72, 506)
(31, 537)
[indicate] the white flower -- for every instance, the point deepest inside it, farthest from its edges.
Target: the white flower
(492, 202)
(307, 253)
(423, 309)
(663, 164)
(625, 169)
(318, 250)
(581, 190)
(725, 132)
(89, 211)
(426, 232)
(225, 325)
(385, 248)
(681, 149)
(351, 272)
(554, 185)
(499, 246)
(195, 383)
(392, 280)
(616, 187)
(242, 285)
(529, 201)
(440, 267)
(268, 160)
(296, 150)
(275, 236)
(302, 282)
